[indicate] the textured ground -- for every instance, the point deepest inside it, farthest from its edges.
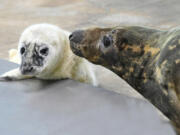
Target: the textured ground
(75, 14)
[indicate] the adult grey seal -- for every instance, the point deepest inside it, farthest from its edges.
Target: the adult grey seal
(146, 58)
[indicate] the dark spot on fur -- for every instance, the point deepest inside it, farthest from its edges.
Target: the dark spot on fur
(37, 58)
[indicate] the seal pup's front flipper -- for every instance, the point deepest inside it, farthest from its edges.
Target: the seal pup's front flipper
(14, 74)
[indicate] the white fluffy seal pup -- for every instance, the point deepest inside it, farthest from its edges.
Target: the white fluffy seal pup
(44, 52)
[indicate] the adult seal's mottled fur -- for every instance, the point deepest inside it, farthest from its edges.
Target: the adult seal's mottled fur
(45, 53)
(148, 59)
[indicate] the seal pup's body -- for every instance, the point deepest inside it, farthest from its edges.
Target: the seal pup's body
(148, 59)
(45, 53)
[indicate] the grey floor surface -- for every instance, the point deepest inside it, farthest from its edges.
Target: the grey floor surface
(35, 107)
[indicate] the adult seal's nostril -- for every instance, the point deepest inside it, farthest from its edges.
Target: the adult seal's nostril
(71, 36)
(76, 36)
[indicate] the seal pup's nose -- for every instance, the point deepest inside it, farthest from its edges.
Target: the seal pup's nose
(76, 36)
(26, 68)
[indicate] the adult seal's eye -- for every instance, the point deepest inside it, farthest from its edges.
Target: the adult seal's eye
(44, 51)
(106, 41)
(22, 50)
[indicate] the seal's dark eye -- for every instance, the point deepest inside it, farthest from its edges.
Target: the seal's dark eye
(22, 50)
(44, 51)
(106, 41)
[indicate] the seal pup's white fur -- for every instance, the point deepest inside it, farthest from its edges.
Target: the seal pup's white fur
(59, 63)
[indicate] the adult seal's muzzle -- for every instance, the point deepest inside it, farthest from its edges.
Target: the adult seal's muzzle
(76, 36)
(75, 39)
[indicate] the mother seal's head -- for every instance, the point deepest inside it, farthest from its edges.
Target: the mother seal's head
(39, 49)
(94, 44)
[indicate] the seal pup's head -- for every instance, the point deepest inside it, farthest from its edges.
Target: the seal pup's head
(41, 47)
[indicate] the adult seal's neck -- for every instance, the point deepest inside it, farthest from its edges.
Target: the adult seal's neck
(135, 59)
(137, 48)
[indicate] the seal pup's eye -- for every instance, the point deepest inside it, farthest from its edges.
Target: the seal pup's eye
(44, 51)
(106, 41)
(22, 50)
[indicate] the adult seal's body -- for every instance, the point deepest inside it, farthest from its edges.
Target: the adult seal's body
(45, 53)
(148, 59)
